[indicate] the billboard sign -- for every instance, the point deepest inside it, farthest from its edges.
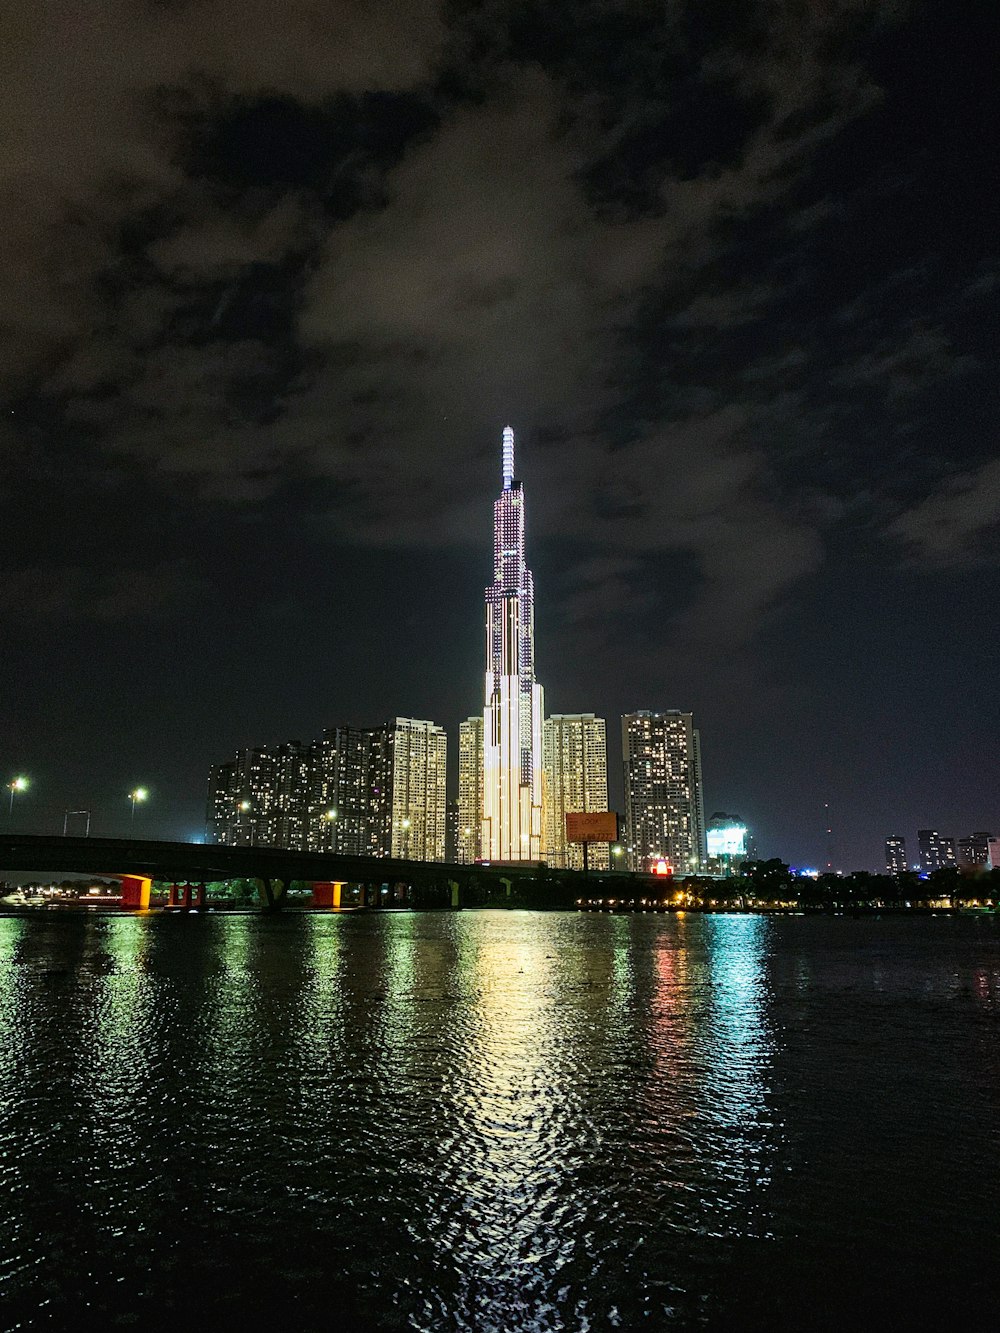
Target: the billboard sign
(597, 826)
(728, 840)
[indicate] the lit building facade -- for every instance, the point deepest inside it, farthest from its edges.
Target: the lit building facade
(512, 717)
(338, 799)
(936, 852)
(362, 791)
(974, 850)
(243, 799)
(418, 804)
(895, 855)
(576, 782)
(470, 790)
(664, 808)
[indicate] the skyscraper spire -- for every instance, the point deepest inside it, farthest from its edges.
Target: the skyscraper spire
(512, 716)
(508, 457)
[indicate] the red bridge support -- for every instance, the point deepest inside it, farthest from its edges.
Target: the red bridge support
(135, 893)
(328, 893)
(184, 897)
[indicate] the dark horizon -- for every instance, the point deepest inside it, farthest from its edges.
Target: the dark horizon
(270, 294)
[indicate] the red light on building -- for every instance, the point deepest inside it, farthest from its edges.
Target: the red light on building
(662, 868)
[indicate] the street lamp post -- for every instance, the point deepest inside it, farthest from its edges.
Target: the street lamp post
(15, 785)
(406, 839)
(137, 795)
(331, 819)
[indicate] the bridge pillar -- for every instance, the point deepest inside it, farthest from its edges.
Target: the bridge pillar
(135, 892)
(187, 897)
(272, 893)
(329, 893)
(172, 898)
(199, 896)
(506, 882)
(456, 892)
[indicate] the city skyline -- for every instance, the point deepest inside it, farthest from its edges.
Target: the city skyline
(266, 308)
(235, 799)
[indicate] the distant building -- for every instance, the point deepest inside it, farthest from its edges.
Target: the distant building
(974, 850)
(364, 791)
(727, 840)
(243, 799)
(664, 810)
(512, 732)
(451, 832)
(290, 823)
(416, 776)
(576, 782)
(470, 789)
(338, 816)
(993, 856)
(895, 855)
(936, 852)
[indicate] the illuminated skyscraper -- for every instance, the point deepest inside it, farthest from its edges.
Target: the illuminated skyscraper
(974, 850)
(895, 854)
(413, 816)
(936, 852)
(576, 782)
(470, 789)
(512, 717)
(338, 800)
(664, 813)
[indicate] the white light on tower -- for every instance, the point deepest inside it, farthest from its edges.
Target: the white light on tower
(508, 456)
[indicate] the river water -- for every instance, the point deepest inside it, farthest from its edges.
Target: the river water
(498, 1121)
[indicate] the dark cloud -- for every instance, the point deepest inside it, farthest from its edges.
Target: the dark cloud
(954, 527)
(54, 596)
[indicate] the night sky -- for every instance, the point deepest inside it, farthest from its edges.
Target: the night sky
(275, 276)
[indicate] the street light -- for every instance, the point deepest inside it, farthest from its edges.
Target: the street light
(16, 785)
(331, 818)
(137, 795)
(406, 839)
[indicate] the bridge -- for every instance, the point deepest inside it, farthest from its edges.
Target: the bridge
(275, 868)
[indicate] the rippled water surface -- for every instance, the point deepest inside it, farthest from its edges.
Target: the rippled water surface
(498, 1121)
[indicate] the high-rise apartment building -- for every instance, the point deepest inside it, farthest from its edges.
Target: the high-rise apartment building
(470, 789)
(243, 799)
(416, 776)
(664, 808)
(512, 716)
(895, 855)
(936, 852)
(363, 791)
(974, 850)
(291, 795)
(338, 800)
(576, 781)
(451, 833)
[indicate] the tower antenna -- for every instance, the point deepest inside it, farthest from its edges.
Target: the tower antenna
(508, 457)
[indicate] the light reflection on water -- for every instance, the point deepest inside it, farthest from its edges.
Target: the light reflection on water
(490, 1121)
